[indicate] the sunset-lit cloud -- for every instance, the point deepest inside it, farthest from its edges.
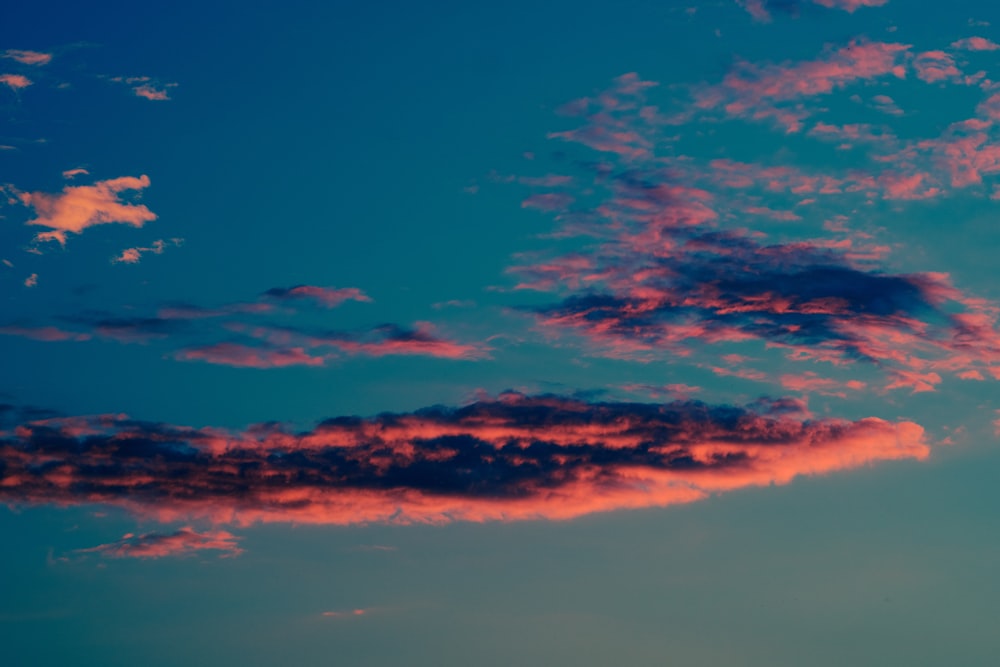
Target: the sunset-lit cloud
(663, 276)
(78, 207)
(975, 44)
(133, 255)
(246, 356)
(760, 10)
(15, 81)
(28, 57)
(328, 297)
(183, 542)
(508, 458)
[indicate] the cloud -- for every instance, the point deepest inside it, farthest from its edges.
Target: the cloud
(78, 207)
(935, 66)
(15, 81)
(183, 542)
(759, 9)
(28, 57)
(850, 5)
(146, 87)
(329, 297)
(758, 91)
(249, 339)
(660, 277)
(72, 173)
(31, 281)
(245, 356)
(975, 44)
(133, 255)
(509, 458)
(47, 334)
(150, 92)
(282, 346)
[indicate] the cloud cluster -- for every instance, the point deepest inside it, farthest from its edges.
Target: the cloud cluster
(666, 272)
(512, 457)
(240, 334)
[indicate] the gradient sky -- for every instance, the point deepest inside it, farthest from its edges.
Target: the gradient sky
(560, 333)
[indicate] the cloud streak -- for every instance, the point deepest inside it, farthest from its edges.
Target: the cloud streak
(509, 458)
(183, 542)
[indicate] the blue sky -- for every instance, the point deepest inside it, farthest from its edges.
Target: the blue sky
(542, 334)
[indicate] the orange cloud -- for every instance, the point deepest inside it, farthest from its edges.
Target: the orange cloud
(15, 81)
(79, 207)
(28, 57)
(509, 458)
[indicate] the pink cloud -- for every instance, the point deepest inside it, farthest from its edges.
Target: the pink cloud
(183, 542)
(72, 173)
(48, 334)
(245, 356)
(907, 186)
(79, 207)
(133, 255)
(28, 57)
(935, 66)
(514, 457)
(850, 5)
(975, 44)
(15, 81)
(150, 92)
(756, 9)
(812, 382)
(31, 281)
(752, 91)
(329, 297)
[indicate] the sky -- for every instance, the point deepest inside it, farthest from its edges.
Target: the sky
(548, 333)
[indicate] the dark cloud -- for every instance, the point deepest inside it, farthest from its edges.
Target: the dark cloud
(511, 457)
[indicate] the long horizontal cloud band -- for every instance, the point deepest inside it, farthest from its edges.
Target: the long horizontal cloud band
(513, 457)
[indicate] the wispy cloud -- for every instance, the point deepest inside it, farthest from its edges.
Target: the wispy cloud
(183, 542)
(28, 57)
(246, 356)
(133, 255)
(329, 297)
(663, 277)
(975, 44)
(508, 458)
(146, 87)
(760, 10)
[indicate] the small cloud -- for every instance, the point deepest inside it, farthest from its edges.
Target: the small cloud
(28, 57)
(346, 614)
(15, 81)
(133, 255)
(183, 542)
(975, 44)
(454, 303)
(71, 173)
(150, 93)
(31, 281)
(79, 207)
